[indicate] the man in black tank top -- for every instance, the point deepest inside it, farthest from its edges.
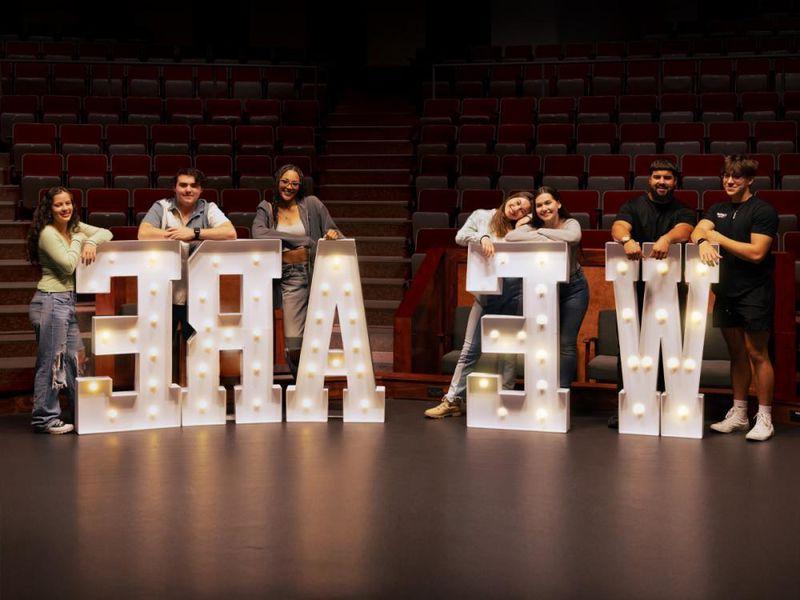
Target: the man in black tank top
(744, 227)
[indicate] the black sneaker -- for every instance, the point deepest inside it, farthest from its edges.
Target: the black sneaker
(613, 422)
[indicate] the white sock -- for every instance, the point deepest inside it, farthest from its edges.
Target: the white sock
(740, 405)
(765, 410)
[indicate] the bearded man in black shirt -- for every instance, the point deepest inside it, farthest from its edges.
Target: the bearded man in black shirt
(658, 217)
(744, 227)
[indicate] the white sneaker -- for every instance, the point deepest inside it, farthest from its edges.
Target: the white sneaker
(762, 430)
(735, 420)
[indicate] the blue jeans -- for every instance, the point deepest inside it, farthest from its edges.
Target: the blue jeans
(573, 298)
(55, 323)
(507, 303)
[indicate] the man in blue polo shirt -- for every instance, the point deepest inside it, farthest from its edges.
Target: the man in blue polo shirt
(190, 219)
(744, 226)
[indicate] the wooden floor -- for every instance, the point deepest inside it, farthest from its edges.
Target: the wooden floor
(410, 508)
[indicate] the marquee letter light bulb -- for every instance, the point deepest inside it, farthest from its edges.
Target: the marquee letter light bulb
(112, 257)
(256, 296)
(633, 362)
(494, 334)
(683, 411)
(105, 336)
(256, 259)
(215, 260)
(153, 289)
(541, 290)
(638, 409)
(318, 316)
(541, 414)
(153, 354)
(364, 404)
(647, 363)
(662, 268)
(483, 383)
(541, 385)
(325, 288)
(306, 403)
(541, 320)
(132, 335)
(336, 362)
(627, 315)
(202, 370)
(153, 320)
(541, 356)
(502, 258)
(208, 326)
(696, 316)
(502, 412)
(661, 315)
(348, 289)
(152, 411)
(353, 317)
(701, 269)
(522, 335)
(336, 261)
(202, 297)
(257, 403)
(622, 267)
(256, 334)
(152, 385)
(208, 345)
(256, 368)
(94, 387)
(673, 364)
(202, 406)
(112, 413)
(356, 345)
(314, 346)
(689, 364)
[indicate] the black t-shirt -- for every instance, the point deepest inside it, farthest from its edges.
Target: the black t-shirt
(650, 220)
(737, 221)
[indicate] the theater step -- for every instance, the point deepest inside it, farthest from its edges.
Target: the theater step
(380, 210)
(13, 249)
(14, 318)
(366, 192)
(374, 227)
(18, 270)
(339, 119)
(386, 146)
(14, 230)
(16, 373)
(369, 132)
(16, 292)
(382, 289)
(390, 267)
(366, 176)
(10, 193)
(381, 246)
(381, 312)
(7, 210)
(365, 161)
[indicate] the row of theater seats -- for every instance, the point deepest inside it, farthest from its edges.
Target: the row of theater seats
(86, 171)
(632, 77)
(632, 108)
(769, 137)
(595, 171)
(150, 111)
(115, 140)
(184, 81)
(766, 38)
(111, 207)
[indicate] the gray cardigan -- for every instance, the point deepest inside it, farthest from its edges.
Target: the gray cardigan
(316, 221)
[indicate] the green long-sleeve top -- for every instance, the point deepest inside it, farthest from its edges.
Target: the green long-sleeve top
(59, 259)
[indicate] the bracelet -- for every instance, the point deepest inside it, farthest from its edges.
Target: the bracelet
(700, 241)
(484, 236)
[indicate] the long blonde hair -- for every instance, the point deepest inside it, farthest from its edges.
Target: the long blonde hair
(500, 224)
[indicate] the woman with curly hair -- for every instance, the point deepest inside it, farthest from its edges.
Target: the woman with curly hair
(298, 221)
(57, 241)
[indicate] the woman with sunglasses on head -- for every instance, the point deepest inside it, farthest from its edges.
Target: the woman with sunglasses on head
(485, 227)
(551, 222)
(57, 241)
(298, 221)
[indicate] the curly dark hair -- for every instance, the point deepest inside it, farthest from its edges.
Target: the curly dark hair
(277, 201)
(43, 216)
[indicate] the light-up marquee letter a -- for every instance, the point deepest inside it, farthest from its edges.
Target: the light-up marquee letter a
(336, 285)
(154, 402)
(257, 399)
(542, 406)
(642, 408)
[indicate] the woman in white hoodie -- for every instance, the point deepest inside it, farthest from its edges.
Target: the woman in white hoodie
(485, 227)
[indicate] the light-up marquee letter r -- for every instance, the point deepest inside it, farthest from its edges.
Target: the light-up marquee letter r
(257, 399)
(154, 402)
(542, 405)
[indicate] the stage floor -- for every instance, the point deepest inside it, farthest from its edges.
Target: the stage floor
(409, 508)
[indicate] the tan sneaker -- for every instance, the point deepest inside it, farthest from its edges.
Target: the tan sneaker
(446, 408)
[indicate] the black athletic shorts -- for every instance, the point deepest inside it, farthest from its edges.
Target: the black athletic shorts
(752, 311)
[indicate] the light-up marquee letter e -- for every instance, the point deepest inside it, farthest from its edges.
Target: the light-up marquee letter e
(154, 402)
(541, 406)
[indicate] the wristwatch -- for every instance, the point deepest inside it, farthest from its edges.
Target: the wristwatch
(700, 241)
(197, 233)
(624, 240)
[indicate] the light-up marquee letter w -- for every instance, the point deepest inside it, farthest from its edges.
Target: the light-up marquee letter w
(257, 399)
(678, 412)
(542, 406)
(154, 402)
(336, 285)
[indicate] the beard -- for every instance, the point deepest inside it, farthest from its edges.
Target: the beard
(657, 198)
